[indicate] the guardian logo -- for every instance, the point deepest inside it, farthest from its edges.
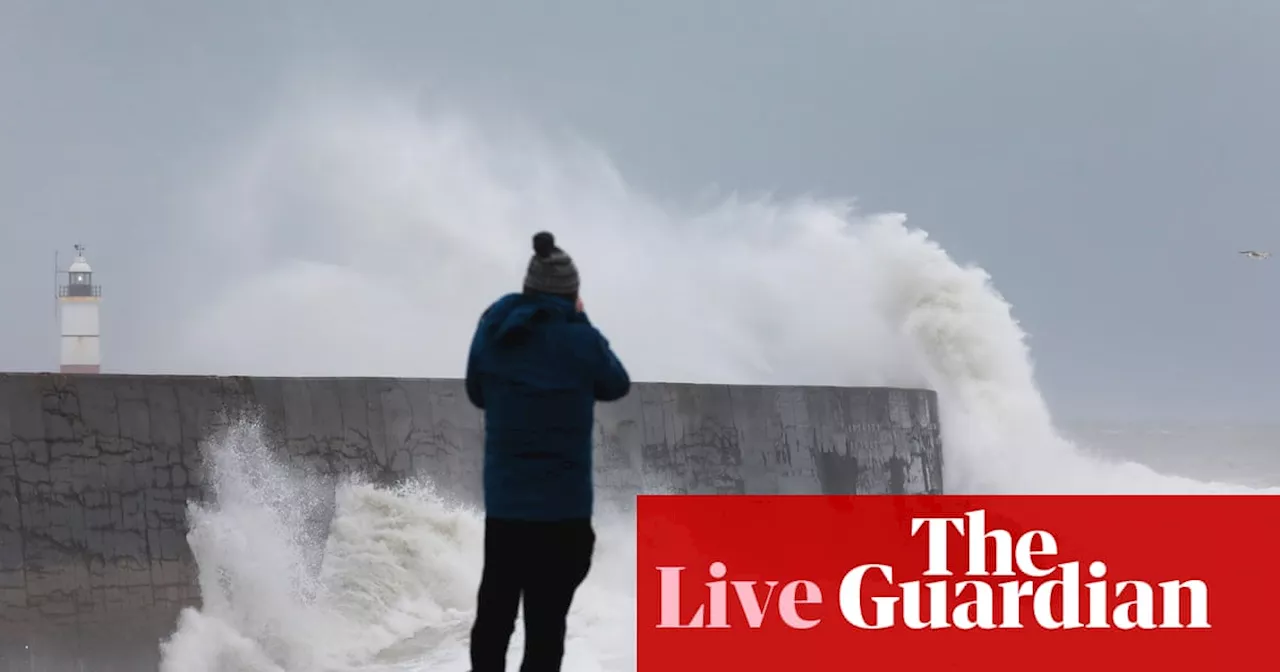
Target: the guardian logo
(968, 600)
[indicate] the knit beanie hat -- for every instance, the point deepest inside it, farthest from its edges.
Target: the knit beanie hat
(551, 271)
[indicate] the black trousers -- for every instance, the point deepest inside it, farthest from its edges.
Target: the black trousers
(541, 562)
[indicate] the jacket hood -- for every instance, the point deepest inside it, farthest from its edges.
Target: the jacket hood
(513, 316)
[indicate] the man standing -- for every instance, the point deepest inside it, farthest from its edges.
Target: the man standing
(536, 368)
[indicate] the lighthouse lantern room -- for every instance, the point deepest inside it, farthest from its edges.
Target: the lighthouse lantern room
(78, 301)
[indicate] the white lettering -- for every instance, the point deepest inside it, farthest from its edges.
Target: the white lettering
(851, 598)
(1026, 553)
(937, 542)
(978, 536)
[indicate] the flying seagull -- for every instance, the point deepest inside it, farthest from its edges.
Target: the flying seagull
(1254, 254)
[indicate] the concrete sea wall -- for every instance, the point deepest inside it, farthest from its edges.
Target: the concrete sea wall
(96, 471)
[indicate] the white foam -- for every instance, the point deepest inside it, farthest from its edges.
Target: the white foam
(404, 224)
(391, 587)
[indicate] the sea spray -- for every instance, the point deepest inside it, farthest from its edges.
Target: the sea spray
(389, 584)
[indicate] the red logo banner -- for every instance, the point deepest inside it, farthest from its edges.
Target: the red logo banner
(958, 583)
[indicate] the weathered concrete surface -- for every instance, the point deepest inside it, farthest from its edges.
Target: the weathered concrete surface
(95, 471)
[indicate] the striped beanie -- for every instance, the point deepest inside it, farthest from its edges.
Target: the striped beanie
(551, 271)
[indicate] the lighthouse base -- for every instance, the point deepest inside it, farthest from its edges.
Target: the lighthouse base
(79, 368)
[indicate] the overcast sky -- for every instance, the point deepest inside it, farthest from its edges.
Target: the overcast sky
(1103, 160)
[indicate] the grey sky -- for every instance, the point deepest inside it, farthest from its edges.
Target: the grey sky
(1103, 160)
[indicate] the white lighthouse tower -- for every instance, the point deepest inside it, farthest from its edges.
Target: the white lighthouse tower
(78, 302)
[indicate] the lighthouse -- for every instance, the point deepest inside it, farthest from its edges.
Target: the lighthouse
(78, 302)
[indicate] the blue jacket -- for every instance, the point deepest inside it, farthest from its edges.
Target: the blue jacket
(536, 368)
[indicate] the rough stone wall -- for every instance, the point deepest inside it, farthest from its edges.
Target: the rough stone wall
(96, 471)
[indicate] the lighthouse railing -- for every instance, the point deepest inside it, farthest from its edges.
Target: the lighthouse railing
(79, 290)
